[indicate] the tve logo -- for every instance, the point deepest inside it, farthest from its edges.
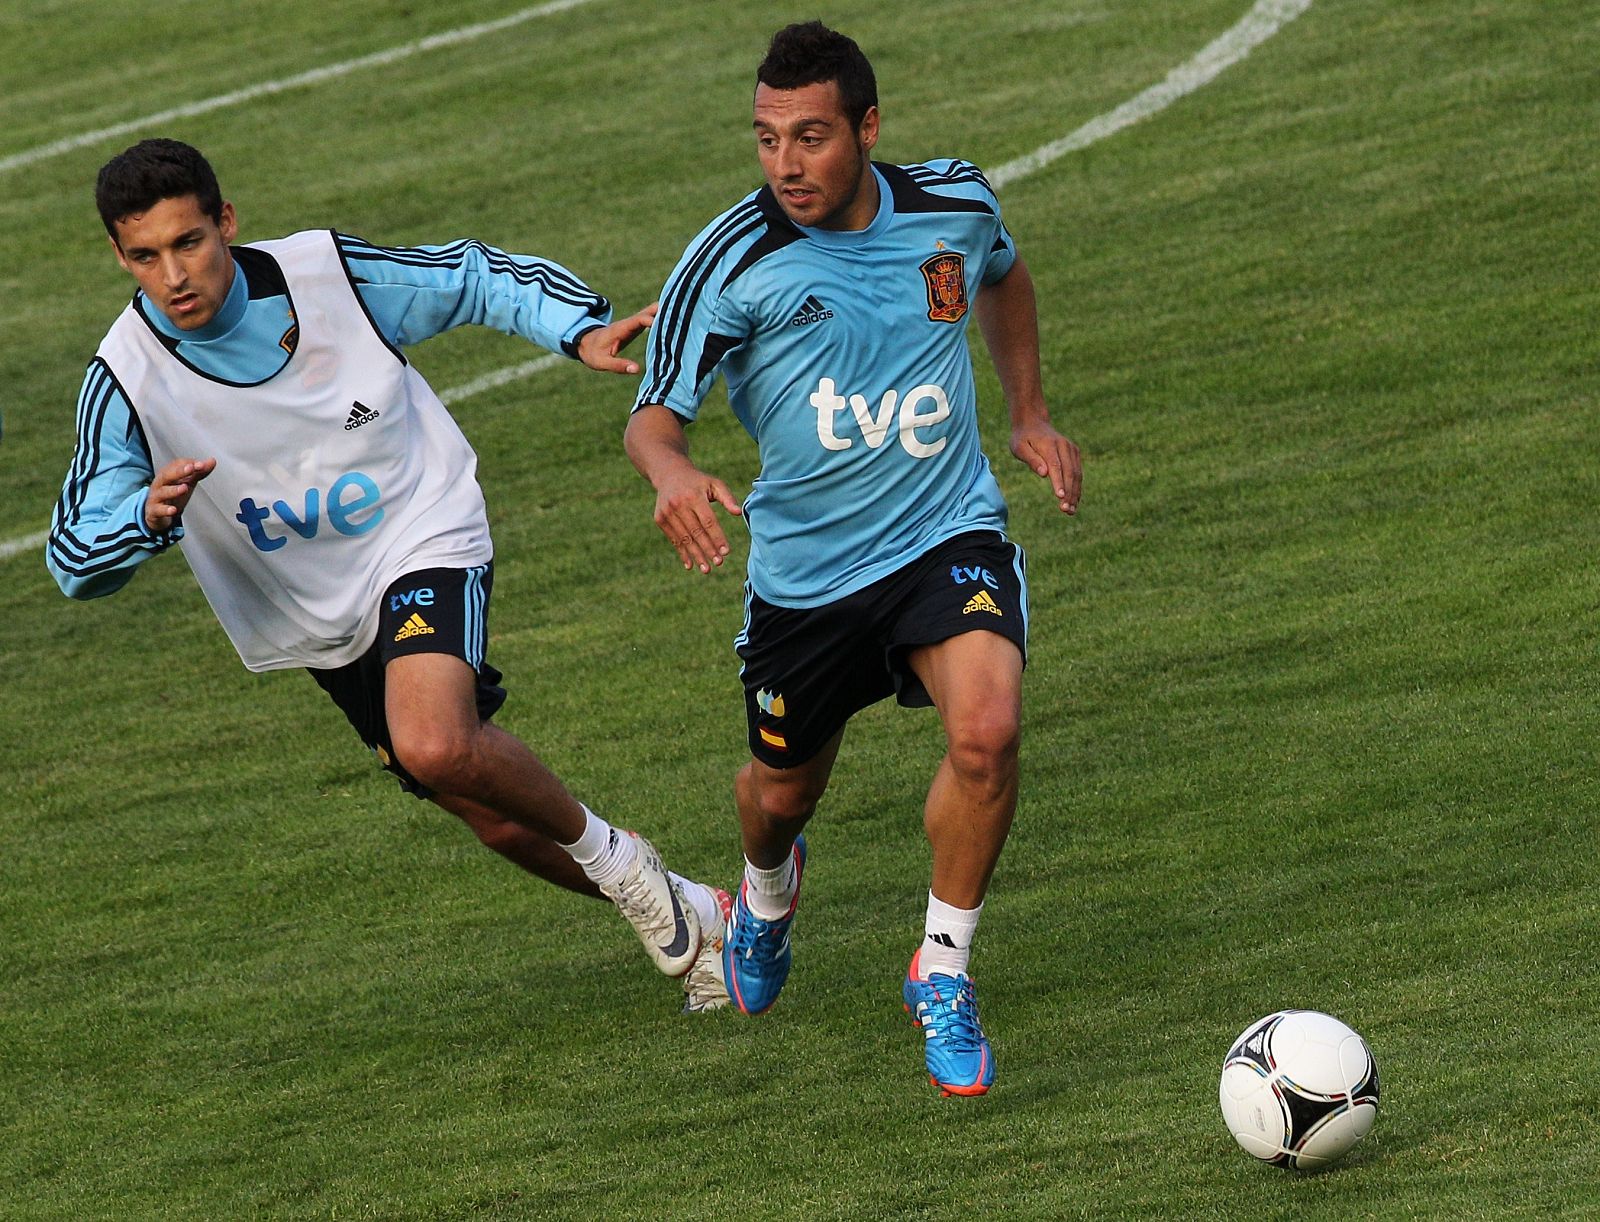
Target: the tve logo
(963, 574)
(351, 495)
(923, 407)
(412, 598)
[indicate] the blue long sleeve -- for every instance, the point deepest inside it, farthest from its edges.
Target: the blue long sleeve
(98, 534)
(417, 292)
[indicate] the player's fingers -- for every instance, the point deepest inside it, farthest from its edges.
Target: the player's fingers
(708, 533)
(680, 537)
(1072, 468)
(614, 364)
(1053, 460)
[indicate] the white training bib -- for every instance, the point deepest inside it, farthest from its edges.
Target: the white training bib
(334, 477)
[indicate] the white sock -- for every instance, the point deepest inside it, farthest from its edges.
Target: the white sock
(604, 853)
(770, 893)
(704, 900)
(947, 944)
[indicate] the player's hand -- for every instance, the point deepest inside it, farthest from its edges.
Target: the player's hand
(1052, 457)
(684, 514)
(171, 489)
(598, 348)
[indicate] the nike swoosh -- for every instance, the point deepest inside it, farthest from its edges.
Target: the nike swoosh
(680, 928)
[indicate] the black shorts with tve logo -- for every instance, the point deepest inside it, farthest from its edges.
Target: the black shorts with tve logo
(809, 670)
(429, 611)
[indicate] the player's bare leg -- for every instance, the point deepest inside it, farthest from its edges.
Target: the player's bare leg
(430, 700)
(431, 703)
(774, 805)
(975, 680)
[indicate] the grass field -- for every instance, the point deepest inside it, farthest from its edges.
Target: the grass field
(1310, 719)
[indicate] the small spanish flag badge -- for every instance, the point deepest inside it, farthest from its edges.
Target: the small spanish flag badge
(773, 740)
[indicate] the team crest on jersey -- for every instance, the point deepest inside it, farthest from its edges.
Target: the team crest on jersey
(291, 337)
(947, 286)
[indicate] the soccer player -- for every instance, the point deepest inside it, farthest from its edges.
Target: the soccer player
(252, 405)
(835, 302)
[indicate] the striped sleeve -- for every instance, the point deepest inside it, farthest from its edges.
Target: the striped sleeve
(416, 292)
(958, 179)
(97, 532)
(698, 324)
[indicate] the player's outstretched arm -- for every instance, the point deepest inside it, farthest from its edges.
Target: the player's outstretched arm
(1009, 319)
(658, 446)
(171, 489)
(600, 348)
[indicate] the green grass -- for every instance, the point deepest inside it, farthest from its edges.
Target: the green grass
(1310, 710)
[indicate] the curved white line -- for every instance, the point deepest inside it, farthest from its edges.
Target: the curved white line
(1263, 20)
(315, 76)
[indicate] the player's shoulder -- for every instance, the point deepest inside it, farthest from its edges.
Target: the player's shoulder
(304, 239)
(940, 184)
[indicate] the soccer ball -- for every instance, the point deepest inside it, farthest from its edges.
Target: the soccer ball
(1299, 1088)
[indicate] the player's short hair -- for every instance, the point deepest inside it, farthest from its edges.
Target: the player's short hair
(137, 179)
(809, 53)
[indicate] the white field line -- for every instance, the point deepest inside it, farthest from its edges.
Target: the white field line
(1263, 20)
(499, 377)
(27, 543)
(447, 38)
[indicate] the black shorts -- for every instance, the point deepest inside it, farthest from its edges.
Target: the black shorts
(429, 611)
(809, 670)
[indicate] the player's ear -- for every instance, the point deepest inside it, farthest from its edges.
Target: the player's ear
(869, 128)
(228, 223)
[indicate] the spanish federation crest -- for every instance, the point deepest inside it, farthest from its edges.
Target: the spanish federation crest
(947, 286)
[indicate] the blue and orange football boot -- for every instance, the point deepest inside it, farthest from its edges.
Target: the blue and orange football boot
(959, 1059)
(755, 953)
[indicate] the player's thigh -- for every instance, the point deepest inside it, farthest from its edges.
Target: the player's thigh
(430, 697)
(433, 628)
(962, 635)
(975, 681)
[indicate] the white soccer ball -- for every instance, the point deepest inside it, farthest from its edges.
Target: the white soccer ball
(1299, 1088)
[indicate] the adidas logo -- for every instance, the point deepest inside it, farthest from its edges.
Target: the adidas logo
(360, 414)
(812, 311)
(982, 602)
(415, 626)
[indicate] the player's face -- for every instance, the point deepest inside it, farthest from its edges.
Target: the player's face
(816, 161)
(180, 258)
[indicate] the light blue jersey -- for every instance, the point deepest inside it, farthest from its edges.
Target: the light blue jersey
(845, 356)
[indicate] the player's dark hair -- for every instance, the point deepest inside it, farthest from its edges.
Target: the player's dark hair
(138, 178)
(809, 53)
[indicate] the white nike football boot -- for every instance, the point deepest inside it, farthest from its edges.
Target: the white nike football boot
(705, 988)
(664, 920)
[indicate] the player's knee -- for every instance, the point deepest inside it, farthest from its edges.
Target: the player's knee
(785, 803)
(983, 748)
(442, 762)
